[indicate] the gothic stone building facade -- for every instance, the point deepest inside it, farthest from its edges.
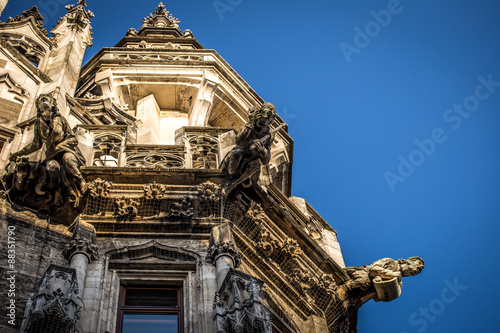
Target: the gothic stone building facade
(150, 191)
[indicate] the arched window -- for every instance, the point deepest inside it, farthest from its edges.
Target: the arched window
(107, 148)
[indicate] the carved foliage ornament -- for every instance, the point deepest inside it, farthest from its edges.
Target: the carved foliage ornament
(100, 188)
(155, 191)
(210, 192)
(182, 209)
(126, 208)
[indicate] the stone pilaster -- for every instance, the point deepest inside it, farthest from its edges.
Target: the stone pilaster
(81, 250)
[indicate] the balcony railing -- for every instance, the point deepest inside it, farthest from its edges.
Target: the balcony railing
(195, 148)
(158, 157)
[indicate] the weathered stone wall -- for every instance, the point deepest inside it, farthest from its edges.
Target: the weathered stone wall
(36, 246)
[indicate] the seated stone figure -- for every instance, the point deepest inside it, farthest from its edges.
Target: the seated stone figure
(363, 278)
(63, 158)
(253, 148)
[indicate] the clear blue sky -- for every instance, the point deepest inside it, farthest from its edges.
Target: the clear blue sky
(358, 87)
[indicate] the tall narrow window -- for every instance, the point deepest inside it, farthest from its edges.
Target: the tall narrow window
(152, 310)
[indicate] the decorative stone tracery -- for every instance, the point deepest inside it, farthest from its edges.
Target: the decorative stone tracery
(238, 307)
(56, 307)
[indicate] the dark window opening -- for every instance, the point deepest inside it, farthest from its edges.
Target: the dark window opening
(30, 56)
(148, 309)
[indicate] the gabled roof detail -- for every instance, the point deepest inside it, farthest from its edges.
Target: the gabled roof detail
(32, 12)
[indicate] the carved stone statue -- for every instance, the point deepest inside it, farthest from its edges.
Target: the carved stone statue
(253, 148)
(59, 173)
(381, 280)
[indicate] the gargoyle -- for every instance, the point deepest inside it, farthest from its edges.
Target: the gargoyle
(381, 280)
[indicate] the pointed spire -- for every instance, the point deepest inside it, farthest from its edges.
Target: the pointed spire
(160, 18)
(80, 7)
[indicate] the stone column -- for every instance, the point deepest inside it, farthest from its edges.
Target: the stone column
(81, 250)
(222, 251)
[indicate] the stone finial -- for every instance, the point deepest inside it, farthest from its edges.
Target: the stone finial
(77, 14)
(57, 303)
(222, 243)
(160, 18)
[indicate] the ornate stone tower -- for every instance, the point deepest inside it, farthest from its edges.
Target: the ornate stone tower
(153, 191)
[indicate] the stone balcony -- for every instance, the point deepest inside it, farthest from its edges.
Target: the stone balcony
(194, 148)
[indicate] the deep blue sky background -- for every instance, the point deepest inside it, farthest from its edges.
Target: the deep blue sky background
(352, 121)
